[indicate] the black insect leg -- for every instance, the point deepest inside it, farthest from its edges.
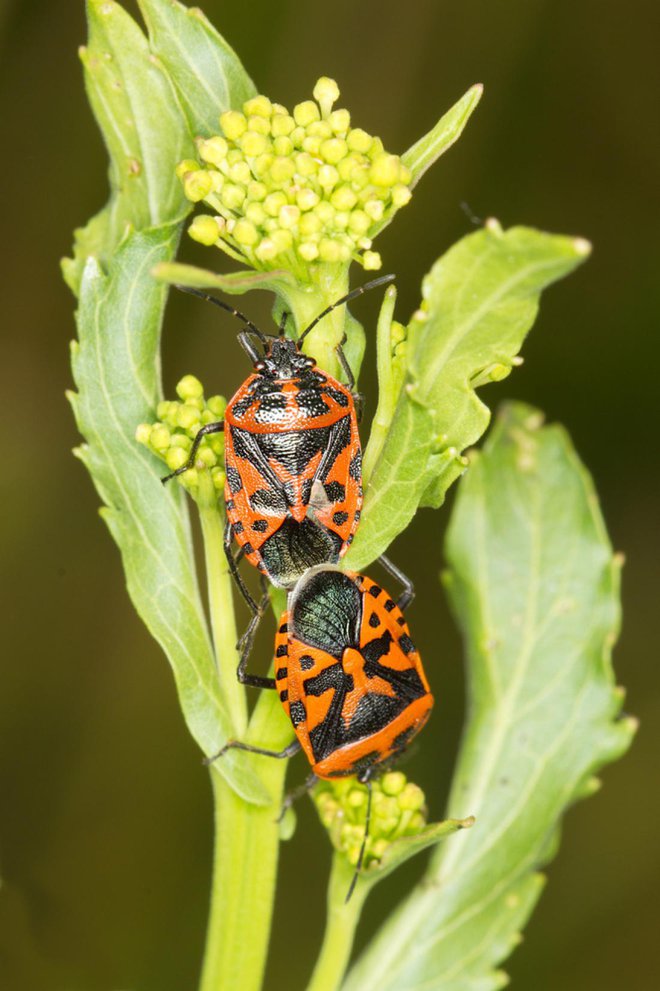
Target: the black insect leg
(209, 428)
(358, 398)
(358, 867)
(296, 793)
(258, 608)
(289, 751)
(408, 593)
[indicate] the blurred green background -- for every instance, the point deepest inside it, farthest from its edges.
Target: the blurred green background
(105, 828)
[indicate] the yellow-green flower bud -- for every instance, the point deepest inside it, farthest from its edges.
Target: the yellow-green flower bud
(319, 129)
(359, 222)
(253, 144)
(163, 408)
(289, 216)
(329, 250)
(217, 405)
(204, 229)
(333, 150)
(219, 478)
(233, 124)
(240, 173)
(255, 213)
(261, 165)
(305, 164)
(282, 239)
(143, 433)
(385, 170)
(245, 233)
(310, 223)
(205, 456)
(159, 437)
(175, 457)
(217, 178)
(282, 170)
(326, 92)
(197, 185)
(232, 196)
(274, 203)
(282, 125)
(257, 190)
(213, 150)
(312, 144)
(306, 198)
(260, 125)
(187, 417)
(359, 140)
(343, 198)
(328, 176)
(308, 251)
(400, 196)
(298, 136)
(266, 250)
(325, 212)
(340, 121)
(182, 440)
(187, 165)
(306, 112)
(189, 387)
(259, 105)
(374, 209)
(371, 261)
(341, 219)
(283, 146)
(393, 782)
(411, 797)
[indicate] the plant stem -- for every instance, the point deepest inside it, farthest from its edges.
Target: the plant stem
(340, 926)
(221, 607)
(388, 387)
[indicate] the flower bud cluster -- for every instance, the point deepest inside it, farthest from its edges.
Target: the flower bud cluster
(397, 809)
(294, 188)
(171, 436)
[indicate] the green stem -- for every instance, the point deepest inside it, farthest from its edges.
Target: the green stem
(340, 926)
(389, 386)
(221, 607)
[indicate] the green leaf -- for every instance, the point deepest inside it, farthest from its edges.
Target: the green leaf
(479, 301)
(535, 587)
(138, 112)
(117, 372)
(205, 70)
(177, 273)
(449, 128)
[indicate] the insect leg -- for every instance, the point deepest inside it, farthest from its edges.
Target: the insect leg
(358, 866)
(209, 428)
(245, 647)
(289, 751)
(296, 793)
(408, 593)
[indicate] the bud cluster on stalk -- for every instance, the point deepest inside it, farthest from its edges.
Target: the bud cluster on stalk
(294, 189)
(398, 808)
(171, 436)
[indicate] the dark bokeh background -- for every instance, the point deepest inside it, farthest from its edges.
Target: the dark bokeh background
(105, 828)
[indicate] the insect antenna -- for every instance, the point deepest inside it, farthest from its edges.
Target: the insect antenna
(285, 317)
(358, 866)
(228, 309)
(383, 280)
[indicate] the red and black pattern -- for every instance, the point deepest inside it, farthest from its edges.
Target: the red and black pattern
(293, 463)
(348, 673)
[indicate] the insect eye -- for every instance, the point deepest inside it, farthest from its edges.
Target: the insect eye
(260, 365)
(310, 363)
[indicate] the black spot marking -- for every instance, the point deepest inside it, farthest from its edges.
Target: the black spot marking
(355, 467)
(311, 403)
(374, 620)
(339, 397)
(298, 713)
(248, 548)
(240, 408)
(401, 621)
(284, 695)
(362, 763)
(406, 644)
(281, 650)
(339, 518)
(280, 674)
(306, 662)
(237, 527)
(267, 501)
(349, 539)
(402, 740)
(260, 526)
(335, 491)
(375, 590)
(284, 628)
(234, 480)
(357, 516)
(390, 605)
(230, 505)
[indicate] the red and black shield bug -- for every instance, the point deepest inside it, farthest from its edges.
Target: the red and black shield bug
(348, 676)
